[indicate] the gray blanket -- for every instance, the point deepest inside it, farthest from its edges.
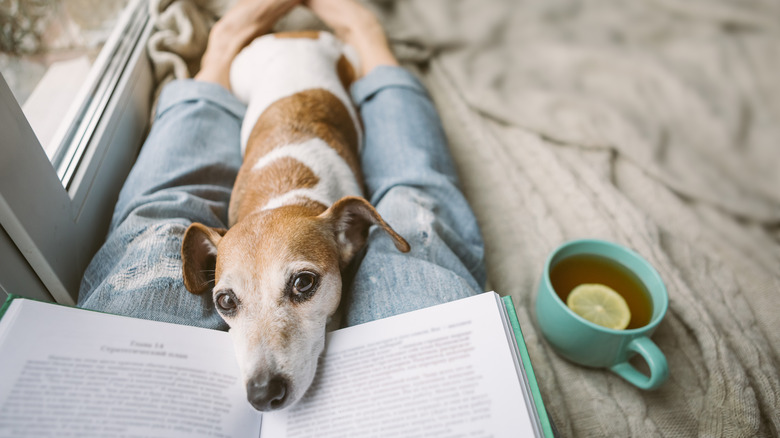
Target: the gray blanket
(652, 123)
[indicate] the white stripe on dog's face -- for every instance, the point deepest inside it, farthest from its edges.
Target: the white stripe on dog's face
(335, 177)
(274, 331)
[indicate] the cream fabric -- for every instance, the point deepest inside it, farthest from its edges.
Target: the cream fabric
(653, 123)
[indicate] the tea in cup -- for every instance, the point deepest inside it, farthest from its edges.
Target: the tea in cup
(616, 299)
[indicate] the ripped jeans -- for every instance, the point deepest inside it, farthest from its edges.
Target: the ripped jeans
(185, 173)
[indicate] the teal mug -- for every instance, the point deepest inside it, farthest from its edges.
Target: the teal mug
(585, 343)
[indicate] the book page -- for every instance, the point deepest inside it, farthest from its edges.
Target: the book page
(75, 373)
(442, 371)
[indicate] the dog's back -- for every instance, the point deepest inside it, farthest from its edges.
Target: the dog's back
(301, 133)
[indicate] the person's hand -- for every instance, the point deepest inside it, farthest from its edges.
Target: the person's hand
(358, 27)
(243, 22)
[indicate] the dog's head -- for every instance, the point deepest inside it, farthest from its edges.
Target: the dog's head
(276, 280)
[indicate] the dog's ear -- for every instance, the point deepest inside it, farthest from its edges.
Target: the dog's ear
(352, 217)
(199, 256)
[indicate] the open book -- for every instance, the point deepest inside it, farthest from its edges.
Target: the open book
(457, 369)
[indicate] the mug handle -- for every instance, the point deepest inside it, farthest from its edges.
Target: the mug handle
(659, 370)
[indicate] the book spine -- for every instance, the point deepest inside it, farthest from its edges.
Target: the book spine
(7, 304)
(529, 370)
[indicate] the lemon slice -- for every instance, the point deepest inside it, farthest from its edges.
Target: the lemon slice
(600, 305)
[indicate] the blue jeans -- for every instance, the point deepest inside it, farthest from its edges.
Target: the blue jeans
(185, 173)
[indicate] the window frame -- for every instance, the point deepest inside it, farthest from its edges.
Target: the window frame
(54, 220)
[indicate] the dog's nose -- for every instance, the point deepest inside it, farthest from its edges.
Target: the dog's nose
(267, 394)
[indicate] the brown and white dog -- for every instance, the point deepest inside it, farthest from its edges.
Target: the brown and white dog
(296, 215)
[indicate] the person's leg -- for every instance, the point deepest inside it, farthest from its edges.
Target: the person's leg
(184, 174)
(411, 179)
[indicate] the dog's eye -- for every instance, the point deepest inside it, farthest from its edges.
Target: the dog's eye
(227, 302)
(303, 285)
(304, 282)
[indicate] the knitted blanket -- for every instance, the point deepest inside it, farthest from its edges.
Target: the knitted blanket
(651, 123)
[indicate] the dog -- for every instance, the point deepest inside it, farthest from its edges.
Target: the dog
(296, 216)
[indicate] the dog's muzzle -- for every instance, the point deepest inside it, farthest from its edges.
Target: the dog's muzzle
(267, 393)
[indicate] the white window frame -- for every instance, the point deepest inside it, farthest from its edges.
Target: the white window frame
(54, 220)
